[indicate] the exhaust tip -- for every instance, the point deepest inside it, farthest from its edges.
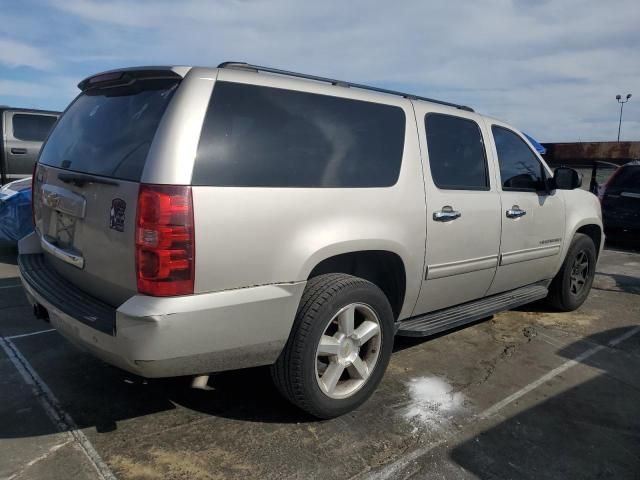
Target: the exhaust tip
(201, 382)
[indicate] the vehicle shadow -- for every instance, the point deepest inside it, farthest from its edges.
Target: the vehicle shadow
(247, 395)
(589, 431)
(8, 253)
(97, 395)
(614, 282)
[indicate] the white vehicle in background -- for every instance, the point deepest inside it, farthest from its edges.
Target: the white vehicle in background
(193, 220)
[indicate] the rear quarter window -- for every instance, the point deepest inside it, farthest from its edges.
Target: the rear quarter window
(258, 136)
(457, 156)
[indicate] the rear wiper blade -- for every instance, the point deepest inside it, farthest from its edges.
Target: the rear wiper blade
(80, 179)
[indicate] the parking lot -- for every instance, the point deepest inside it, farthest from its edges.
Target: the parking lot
(525, 394)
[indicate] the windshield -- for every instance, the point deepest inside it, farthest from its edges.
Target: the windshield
(108, 131)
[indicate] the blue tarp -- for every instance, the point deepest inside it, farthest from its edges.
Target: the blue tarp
(15, 211)
(541, 150)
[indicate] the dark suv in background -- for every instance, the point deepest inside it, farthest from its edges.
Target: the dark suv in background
(23, 131)
(621, 202)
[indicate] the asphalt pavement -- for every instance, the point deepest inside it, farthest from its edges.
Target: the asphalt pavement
(525, 394)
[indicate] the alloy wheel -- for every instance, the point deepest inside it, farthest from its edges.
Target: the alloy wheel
(579, 273)
(348, 351)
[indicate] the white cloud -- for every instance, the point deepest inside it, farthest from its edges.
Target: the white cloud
(17, 88)
(123, 13)
(18, 54)
(35, 94)
(552, 68)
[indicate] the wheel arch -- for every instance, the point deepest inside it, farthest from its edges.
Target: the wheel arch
(582, 216)
(588, 226)
(382, 267)
(593, 231)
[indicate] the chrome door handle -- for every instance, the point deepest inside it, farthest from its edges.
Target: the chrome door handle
(446, 214)
(516, 212)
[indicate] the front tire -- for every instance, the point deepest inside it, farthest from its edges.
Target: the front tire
(339, 346)
(570, 287)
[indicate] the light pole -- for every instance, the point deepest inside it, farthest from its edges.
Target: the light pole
(621, 102)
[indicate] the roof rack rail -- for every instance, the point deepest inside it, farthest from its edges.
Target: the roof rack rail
(410, 96)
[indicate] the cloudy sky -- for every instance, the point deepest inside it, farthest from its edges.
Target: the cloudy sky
(552, 68)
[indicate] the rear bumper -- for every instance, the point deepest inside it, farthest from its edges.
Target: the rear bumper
(190, 335)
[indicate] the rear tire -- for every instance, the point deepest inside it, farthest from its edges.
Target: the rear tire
(339, 346)
(570, 287)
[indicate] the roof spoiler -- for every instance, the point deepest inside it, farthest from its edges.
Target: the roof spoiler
(126, 76)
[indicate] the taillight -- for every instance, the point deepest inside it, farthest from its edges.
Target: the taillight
(165, 240)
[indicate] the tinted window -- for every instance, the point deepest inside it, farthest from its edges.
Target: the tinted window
(268, 137)
(626, 179)
(456, 152)
(32, 127)
(108, 131)
(520, 169)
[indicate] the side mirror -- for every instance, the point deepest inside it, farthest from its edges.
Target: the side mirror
(565, 178)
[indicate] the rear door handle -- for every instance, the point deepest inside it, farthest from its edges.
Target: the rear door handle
(447, 214)
(516, 212)
(18, 151)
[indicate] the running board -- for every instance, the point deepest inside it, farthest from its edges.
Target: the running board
(448, 318)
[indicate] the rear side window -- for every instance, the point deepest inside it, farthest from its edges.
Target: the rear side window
(33, 128)
(457, 155)
(108, 131)
(520, 169)
(266, 137)
(626, 179)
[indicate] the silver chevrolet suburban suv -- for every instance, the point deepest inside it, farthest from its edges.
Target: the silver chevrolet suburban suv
(194, 220)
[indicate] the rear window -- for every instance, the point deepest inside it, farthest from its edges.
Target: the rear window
(266, 137)
(108, 131)
(32, 128)
(457, 156)
(627, 179)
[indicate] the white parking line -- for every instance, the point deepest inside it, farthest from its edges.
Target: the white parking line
(54, 410)
(10, 286)
(30, 334)
(45, 455)
(393, 469)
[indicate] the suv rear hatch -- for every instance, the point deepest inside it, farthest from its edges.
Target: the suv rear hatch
(88, 178)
